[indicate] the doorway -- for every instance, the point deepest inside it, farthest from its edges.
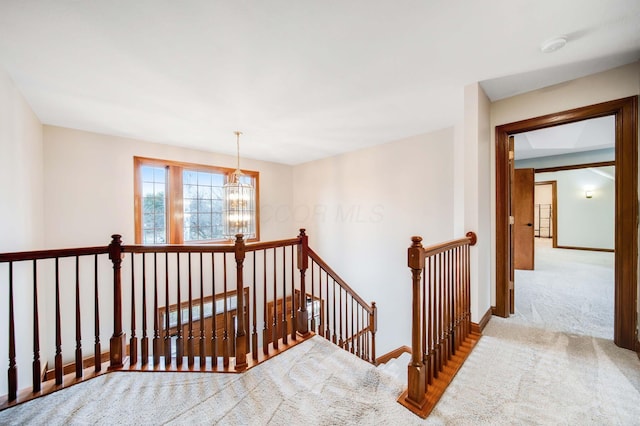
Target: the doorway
(545, 210)
(626, 201)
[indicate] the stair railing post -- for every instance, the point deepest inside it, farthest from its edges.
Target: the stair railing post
(241, 335)
(303, 264)
(117, 344)
(416, 368)
(373, 318)
(473, 239)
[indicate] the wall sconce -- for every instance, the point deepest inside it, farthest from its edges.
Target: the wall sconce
(588, 193)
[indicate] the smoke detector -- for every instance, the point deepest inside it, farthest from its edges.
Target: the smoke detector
(553, 44)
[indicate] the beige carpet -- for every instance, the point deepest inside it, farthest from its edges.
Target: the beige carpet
(313, 383)
(552, 363)
(569, 290)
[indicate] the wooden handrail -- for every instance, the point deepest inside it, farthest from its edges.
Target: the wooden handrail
(469, 239)
(440, 318)
(177, 248)
(323, 265)
(173, 272)
(272, 244)
(351, 327)
(51, 254)
(203, 248)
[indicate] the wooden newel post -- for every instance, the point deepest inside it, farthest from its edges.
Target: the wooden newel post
(117, 344)
(374, 328)
(303, 264)
(13, 370)
(416, 368)
(241, 340)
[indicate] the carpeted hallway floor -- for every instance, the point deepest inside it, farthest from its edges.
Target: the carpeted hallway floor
(554, 361)
(551, 363)
(569, 290)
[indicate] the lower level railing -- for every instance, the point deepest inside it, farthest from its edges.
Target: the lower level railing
(441, 319)
(339, 314)
(199, 307)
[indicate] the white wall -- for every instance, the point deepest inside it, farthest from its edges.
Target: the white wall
(584, 222)
(89, 186)
(605, 86)
(21, 216)
(543, 194)
(361, 209)
(477, 212)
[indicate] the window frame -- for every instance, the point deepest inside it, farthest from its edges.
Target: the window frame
(174, 199)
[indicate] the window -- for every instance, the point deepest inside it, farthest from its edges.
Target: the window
(177, 203)
(202, 201)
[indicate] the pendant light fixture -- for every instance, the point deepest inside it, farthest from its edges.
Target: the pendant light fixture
(238, 210)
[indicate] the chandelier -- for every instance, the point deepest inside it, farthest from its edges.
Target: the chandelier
(238, 210)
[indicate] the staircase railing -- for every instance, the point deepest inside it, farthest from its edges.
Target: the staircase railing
(441, 335)
(341, 315)
(185, 307)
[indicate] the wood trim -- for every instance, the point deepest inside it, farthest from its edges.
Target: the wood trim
(575, 167)
(475, 328)
(554, 206)
(586, 249)
(480, 326)
(175, 206)
(383, 359)
(137, 202)
(191, 166)
(50, 386)
(87, 363)
(626, 231)
(503, 267)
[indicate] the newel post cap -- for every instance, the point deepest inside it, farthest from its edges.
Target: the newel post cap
(115, 247)
(473, 238)
(415, 257)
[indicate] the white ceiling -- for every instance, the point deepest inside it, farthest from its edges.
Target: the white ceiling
(586, 135)
(302, 79)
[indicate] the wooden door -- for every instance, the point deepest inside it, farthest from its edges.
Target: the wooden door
(523, 229)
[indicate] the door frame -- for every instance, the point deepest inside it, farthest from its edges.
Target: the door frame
(554, 208)
(626, 231)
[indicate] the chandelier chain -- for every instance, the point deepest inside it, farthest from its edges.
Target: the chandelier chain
(238, 133)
